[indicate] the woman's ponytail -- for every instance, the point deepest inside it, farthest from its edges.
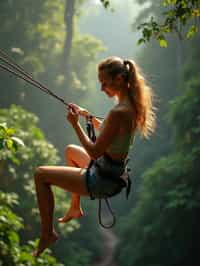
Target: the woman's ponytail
(141, 97)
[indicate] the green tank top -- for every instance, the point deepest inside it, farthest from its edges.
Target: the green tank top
(121, 144)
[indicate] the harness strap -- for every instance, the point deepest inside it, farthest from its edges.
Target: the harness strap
(128, 189)
(90, 128)
(111, 211)
(129, 182)
(92, 136)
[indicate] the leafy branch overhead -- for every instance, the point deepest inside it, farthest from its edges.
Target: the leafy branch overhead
(178, 16)
(105, 3)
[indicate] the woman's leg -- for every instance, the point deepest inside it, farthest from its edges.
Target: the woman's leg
(69, 178)
(75, 156)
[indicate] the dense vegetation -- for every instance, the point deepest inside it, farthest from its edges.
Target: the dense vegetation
(33, 34)
(159, 223)
(162, 228)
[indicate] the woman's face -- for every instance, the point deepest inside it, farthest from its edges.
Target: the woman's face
(107, 84)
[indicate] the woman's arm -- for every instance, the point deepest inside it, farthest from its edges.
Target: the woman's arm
(96, 123)
(84, 112)
(105, 137)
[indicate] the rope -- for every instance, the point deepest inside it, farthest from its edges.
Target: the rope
(92, 136)
(19, 72)
(25, 75)
(111, 211)
(22, 74)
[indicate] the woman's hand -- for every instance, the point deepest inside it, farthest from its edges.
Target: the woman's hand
(81, 111)
(72, 116)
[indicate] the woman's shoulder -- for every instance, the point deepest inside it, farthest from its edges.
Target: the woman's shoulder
(117, 117)
(123, 111)
(125, 115)
(114, 116)
(117, 112)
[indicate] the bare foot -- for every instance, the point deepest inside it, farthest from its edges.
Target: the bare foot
(71, 214)
(44, 243)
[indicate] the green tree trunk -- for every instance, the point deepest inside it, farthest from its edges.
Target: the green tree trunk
(68, 18)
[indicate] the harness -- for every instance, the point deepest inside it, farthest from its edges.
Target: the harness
(124, 180)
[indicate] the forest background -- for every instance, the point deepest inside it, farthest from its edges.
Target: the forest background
(60, 43)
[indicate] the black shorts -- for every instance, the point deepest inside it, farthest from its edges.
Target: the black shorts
(103, 177)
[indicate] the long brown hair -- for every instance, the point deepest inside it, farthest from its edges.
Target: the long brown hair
(141, 95)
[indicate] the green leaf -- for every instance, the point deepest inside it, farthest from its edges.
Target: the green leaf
(1, 144)
(192, 31)
(9, 143)
(18, 141)
(163, 43)
(3, 126)
(105, 3)
(10, 131)
(140, 41)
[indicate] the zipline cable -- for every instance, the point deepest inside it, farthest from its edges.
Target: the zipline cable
(28, 76)
(21, 73)
(30, 81)
(11, 61)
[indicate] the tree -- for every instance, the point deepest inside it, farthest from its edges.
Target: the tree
(69, 18)
(163, 226)
(178, 15)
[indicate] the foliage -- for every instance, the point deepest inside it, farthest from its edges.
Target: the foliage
(185, 114)
(105, 3)
(18, 176)
(17, 169)
(177, 15)
(33, 33)
(163, 227)
(85, 48)
(8, 141)
(11, 252)
(37, 45)
(164, 216)
(36, 150)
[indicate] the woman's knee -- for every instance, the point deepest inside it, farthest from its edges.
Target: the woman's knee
(74, 152)
(69, 150)
(39, 173)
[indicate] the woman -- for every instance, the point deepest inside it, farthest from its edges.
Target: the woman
(134, 110)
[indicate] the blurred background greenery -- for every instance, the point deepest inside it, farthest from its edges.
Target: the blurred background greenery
(60, 42)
